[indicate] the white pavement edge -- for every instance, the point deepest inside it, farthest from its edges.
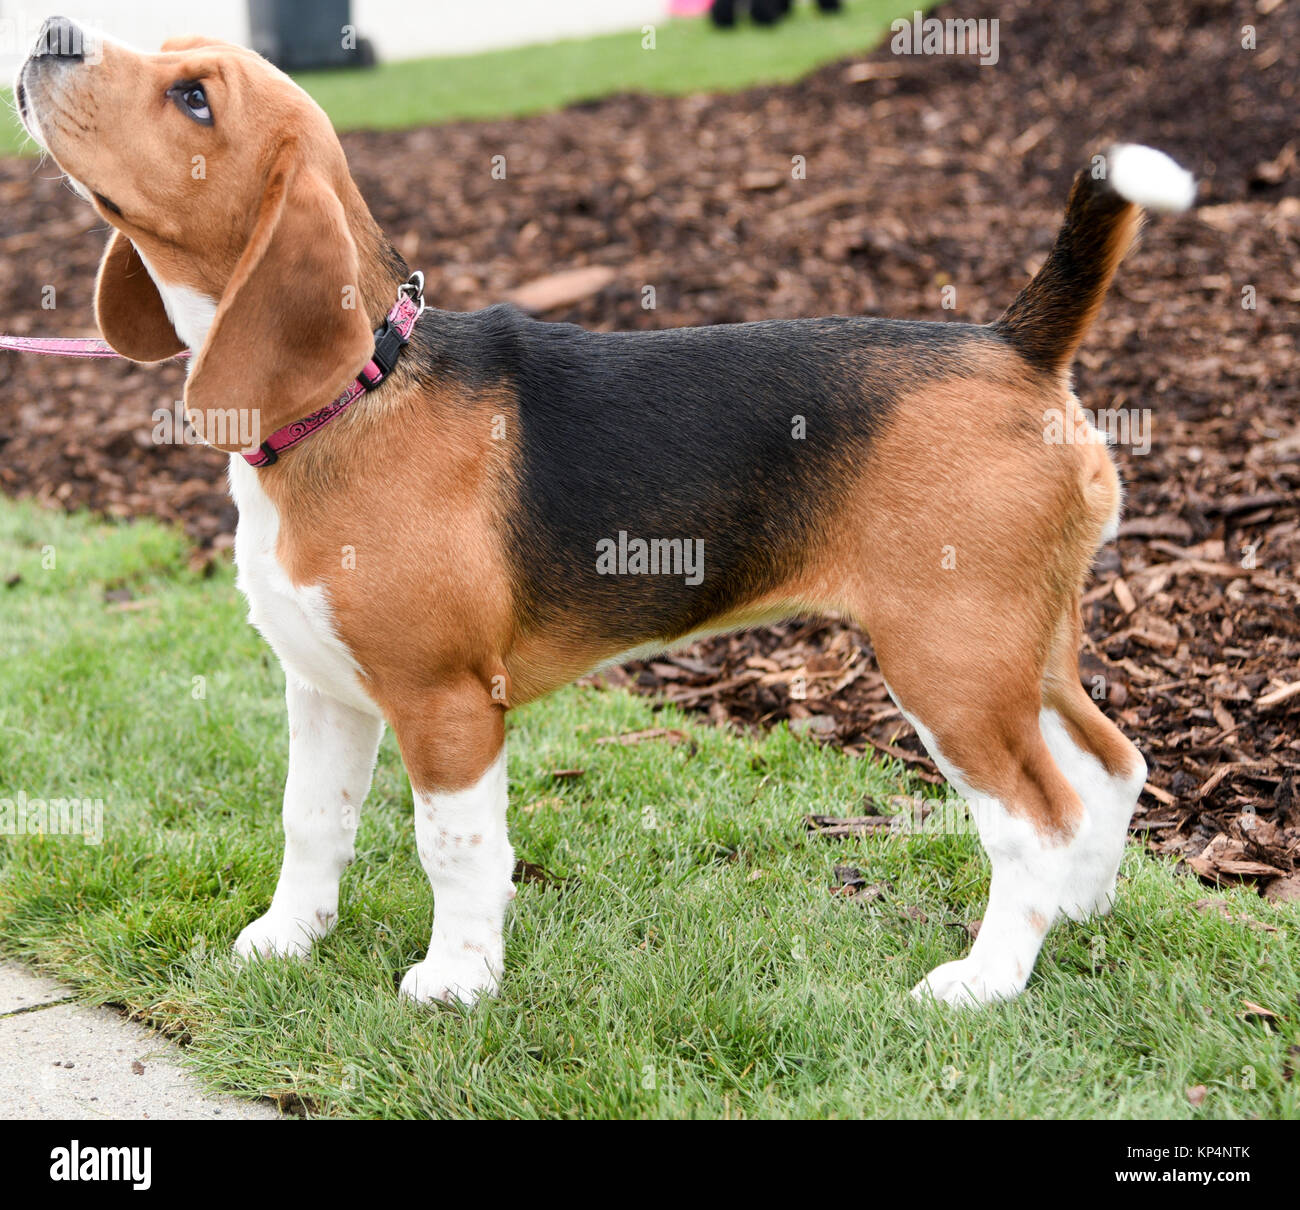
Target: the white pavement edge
(61, 1060)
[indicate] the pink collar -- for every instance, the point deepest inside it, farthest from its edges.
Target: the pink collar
(390, 338)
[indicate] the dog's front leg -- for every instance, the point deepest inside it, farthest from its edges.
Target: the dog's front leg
(331, 758)
(454, 750)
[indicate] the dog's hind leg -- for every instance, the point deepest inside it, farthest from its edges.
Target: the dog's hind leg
(332, 752)
(1050, 783)
(991, 749)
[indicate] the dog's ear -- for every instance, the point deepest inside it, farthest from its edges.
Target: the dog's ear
(290, 327)
(128, 309)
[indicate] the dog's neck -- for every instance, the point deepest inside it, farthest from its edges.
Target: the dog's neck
(383, 269)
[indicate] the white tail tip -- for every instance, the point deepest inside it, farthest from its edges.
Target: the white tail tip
(1149, 178)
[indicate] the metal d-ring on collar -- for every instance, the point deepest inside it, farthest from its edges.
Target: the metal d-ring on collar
(413, 288)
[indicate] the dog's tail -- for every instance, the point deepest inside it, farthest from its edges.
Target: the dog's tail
(1050, 316)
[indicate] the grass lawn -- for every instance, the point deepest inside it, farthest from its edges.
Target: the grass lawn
(689, 56)
(686, 959)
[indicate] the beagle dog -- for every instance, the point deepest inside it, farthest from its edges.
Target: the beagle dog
(445, 515)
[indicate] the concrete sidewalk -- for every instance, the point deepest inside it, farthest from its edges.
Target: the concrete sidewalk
(61, 1060)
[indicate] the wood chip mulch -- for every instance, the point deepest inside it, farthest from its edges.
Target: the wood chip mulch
(921, 172)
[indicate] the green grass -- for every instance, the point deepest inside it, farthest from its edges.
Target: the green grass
(687, 959)
(689, 56)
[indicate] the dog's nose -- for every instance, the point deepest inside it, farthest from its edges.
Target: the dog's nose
(60, 39)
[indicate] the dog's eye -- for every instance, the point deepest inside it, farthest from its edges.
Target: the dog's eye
(192, 101)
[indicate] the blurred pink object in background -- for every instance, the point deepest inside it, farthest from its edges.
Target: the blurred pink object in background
(688, 8)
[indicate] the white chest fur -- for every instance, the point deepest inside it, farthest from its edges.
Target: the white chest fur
(296, 620)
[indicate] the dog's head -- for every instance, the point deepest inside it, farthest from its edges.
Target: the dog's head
(228, 180)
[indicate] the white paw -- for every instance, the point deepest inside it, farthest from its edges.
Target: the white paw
(967, 983)
(451, 977)
(279, 935)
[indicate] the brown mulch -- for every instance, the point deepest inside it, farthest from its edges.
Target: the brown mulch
(921, 172)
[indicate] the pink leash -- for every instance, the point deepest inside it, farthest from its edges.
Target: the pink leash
(63, 346)
(390, 338)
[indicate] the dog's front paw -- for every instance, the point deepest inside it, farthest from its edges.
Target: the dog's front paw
(280, 935)
(967, 983)
(451, 977)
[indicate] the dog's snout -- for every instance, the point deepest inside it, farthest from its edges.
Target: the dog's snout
(60, 38)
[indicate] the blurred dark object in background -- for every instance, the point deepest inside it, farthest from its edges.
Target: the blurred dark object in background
(763, 12)
(300, 35)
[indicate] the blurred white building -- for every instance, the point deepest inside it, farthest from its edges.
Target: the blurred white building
(398, 29)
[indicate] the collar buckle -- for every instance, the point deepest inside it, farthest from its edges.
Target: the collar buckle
(389, 342)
